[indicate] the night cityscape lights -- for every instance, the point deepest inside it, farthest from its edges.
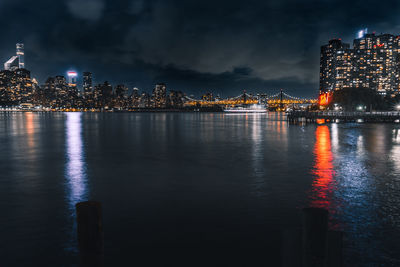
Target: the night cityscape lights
(62, 93)
(373, 62)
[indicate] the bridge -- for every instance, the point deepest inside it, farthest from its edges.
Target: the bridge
(280, 101)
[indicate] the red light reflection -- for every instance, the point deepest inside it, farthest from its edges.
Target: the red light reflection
(323, 168)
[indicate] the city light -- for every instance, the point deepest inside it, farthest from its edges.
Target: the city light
(325, 99)
(362, 33)
(72, 74)
(361, 108)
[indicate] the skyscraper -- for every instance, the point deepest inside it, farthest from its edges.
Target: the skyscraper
(160, 96)
(17, 61)
(87, 83)
(72, 78)
(12, 63)
(373, 62)
(335, 66)
(376, 62)
(21, 55)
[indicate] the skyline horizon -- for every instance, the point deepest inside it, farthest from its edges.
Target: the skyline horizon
(194, 46)
(146, 88)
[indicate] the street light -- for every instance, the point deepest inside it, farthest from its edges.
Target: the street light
(398, 107)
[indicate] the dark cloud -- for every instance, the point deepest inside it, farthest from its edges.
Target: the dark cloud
(87, 9)
(225, 46)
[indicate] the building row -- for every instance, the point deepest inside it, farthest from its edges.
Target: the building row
(373, 62)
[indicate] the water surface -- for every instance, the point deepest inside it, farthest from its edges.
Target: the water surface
(185, 189)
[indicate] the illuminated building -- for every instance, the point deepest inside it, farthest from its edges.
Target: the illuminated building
(175, 99)
(21, 55)
(135, 98)
(145, 100)
(160, 96)
(376, 62)
(208, 97)
(72, 78)
(373, 62)
(120, 91)
(23, 85)
(61, 87)
(17, 85)
(12, 63)
(87, 83)
(335, 66)
(17, 61)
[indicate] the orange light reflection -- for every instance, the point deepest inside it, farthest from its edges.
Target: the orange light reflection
(323, 168)
(30, 129)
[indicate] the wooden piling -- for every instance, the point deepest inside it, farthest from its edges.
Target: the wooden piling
(90, 233)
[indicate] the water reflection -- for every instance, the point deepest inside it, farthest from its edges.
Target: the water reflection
(30, 129)
(322, 169)
(257, 151)
(75, 169)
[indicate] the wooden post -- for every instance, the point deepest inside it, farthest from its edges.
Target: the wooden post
(90, 233)
(315, 228)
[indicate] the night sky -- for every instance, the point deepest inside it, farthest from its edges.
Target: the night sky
(195, 46)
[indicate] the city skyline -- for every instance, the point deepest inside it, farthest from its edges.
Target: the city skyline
(223, 47)
(335, 47)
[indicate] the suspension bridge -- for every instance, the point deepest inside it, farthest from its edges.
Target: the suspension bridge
(279, 101)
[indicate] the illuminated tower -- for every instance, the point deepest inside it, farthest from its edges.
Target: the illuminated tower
(160, 95)
(335, 66)
(72, 76)
(21, 55)
(12, 63)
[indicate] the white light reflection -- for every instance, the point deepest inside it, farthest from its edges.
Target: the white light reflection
(75, 169)
(258, 150)
(395, 152)
(335, 138)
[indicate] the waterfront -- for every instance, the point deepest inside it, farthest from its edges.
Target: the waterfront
(183, 188)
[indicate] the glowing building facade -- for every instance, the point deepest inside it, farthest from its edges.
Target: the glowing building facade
(21, 55)
(12, 64)
(335, 66)
(373, 62)
(160, 96)
(72, 79)
(87, 83)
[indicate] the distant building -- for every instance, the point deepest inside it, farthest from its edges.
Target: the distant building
(335, 66)
(208, 96)
(72, 78)
(376, 62)
(373, 62)
(145, 100)
(21, 55)
(12, 63)
(120, 91)
(160, 96)
(61, 86)
(175, 99)
(87, 83)
(17, 61)
(17, 85)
